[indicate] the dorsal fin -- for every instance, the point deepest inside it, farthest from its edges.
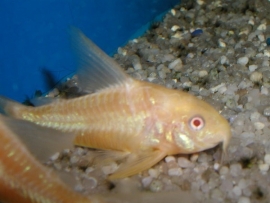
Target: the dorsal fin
(96, 70)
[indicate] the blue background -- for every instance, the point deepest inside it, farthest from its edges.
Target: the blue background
(34, 38)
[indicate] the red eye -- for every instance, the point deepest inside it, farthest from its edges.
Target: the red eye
(196, 123)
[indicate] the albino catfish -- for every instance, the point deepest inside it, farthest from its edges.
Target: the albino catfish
(145, 121)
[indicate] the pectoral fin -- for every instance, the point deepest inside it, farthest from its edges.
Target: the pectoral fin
(138, 163)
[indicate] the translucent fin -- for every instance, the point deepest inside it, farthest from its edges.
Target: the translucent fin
(106, 157)
(111, 155)
(139, 162)
(42, 142)
(96, 70)
(8, 106)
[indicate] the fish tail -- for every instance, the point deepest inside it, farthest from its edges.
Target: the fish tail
(22, 177)
(9, 107)
(41, 141)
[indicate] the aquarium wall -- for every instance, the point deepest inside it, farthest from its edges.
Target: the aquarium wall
(34, 45)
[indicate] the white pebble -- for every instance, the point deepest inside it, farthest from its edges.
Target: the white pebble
(222, 90)
(169, 159)
(173, 12)
(175, 27)
(267, 159)
(264, 167)
(178, 35)
(264, 90)
(137, 66)
(252, 68)
(223, 60)
(156, 186)
(190, 44)
(261, 37)
(187, 84)
(255, 116)
(203, 73)
(109, 169)
(89, 170)
(147, 181)
(216, 166)
(262, 27)
(259, 125)
(153, 172)
(122, 51)
(184, 162)
(176, 65)
(251, 21)
(266, 53)
(243, 60)
(200, 2)
(74, 159)
(221, 43)
(80, 151)
(55, 156)
(216, 88)
(256, 76)
(237, 191)
(175, 172)
(190, 55)
(243, 200)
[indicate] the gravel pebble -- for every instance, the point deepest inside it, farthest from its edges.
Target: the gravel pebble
(243, 200)
(109, 169)
(175, 172)
(223, 170)
(264, 167)
(259, 125)
(147, 181)
(156, 186)
(237, 191)
(256, 76)
(55, 156)
(252, 68)
(184, 162)
(170, 159)
(267, 159)
(243, 60)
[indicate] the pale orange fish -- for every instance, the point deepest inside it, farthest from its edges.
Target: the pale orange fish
(22, 178)
(144, 120)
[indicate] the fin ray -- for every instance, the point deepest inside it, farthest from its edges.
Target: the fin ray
(42, 142)
(140, 163)
(96, 70)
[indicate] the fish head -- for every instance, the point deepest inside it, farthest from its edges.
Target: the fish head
(197, 126)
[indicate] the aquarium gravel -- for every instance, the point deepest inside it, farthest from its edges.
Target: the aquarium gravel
(218, 51)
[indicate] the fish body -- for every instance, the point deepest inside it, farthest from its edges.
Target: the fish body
(22, 178)
(146, 120)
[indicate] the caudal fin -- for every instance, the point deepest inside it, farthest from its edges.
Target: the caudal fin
(9, 107)
(42, 142)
